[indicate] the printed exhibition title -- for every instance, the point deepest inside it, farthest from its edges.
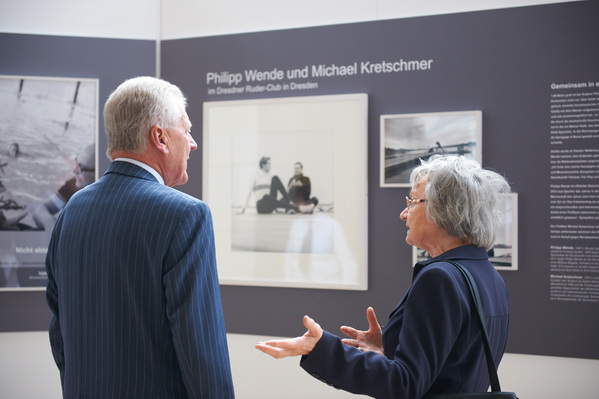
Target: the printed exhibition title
(273, 80)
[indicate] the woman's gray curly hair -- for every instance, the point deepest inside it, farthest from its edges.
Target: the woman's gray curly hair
(462, 197)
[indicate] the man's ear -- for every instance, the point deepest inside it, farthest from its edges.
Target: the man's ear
(159, 139)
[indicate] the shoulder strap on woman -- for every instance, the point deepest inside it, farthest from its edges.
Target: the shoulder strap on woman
(493, 378)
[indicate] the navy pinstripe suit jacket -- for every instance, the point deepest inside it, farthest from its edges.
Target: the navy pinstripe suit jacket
(133, 288)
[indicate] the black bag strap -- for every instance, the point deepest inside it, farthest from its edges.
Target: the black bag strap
(493, 378)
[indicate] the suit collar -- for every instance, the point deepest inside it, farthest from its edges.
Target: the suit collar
(145, 166)
(130, 169)
(464, 252)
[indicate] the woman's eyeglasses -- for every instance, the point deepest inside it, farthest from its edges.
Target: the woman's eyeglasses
(412, 201)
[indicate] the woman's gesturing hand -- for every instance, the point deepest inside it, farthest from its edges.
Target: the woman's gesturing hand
(293, 346)
(366, 341)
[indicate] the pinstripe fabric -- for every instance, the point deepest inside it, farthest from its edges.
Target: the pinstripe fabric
(133, 287)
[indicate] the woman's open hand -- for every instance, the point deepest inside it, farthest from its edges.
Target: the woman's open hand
(366, 341)
(293, 346)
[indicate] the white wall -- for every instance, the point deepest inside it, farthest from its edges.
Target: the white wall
(27, 371)
(26, 366)
(123, 19)
(174, 19)
(209, 18)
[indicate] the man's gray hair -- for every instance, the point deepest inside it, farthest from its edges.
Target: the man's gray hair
(137, 105)
(462, 198)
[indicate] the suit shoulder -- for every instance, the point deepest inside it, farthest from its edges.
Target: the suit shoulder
(183, 201)
(438, 268)
(158, 195)
(185, 198)
(438, 274)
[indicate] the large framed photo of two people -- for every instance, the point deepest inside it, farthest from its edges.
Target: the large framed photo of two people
(286, 179)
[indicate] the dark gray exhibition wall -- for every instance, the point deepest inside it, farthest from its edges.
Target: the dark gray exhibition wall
(518, 66)
(110, 61)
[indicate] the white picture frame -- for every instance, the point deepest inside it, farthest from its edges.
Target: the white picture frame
(325, 249)
(407, 138)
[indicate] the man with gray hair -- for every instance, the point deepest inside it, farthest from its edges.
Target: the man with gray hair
(132, 279)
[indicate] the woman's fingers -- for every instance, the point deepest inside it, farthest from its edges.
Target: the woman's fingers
(349, 331)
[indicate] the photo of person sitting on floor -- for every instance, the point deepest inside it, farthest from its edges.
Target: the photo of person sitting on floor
(266, 188)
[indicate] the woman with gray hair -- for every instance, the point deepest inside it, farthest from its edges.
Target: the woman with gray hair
(432, 341)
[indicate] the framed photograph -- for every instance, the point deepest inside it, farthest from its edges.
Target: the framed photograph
(48, 151)
(504, 255)
(286, 179)
(407, 138)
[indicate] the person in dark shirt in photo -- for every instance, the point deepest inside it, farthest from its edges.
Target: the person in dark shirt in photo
(299, 189)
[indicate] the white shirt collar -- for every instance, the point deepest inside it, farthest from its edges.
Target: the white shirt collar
(143, 165)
